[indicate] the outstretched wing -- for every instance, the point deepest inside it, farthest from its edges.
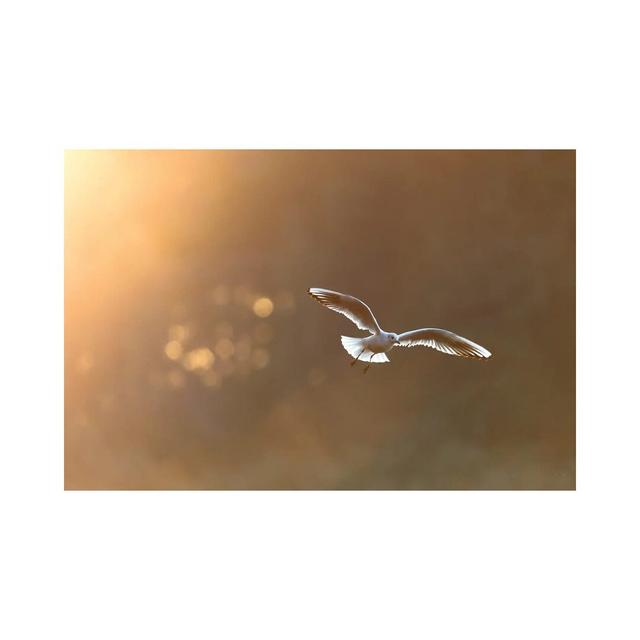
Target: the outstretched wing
(444, 341)
(356, 310)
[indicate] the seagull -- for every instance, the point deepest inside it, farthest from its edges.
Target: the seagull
(374, 348)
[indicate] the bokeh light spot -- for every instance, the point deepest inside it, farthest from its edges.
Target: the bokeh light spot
(225, 348)
(211, 379)
(173, 350)
(178, 332)
(260, 358)
(263, 307)
(201, 358)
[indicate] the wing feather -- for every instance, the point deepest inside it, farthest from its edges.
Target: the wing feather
(444, 341)
(356, 310)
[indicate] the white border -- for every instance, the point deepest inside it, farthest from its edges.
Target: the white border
(321, 565)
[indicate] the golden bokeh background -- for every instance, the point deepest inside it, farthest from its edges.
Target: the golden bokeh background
(195, 360)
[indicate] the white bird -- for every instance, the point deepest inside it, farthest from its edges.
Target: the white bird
(374, 348)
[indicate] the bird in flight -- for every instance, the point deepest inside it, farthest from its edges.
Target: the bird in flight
(374, 348)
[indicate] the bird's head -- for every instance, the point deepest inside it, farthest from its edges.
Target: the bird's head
(395, 338)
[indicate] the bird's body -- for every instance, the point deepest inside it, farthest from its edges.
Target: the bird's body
(375, 345)
(374, 348)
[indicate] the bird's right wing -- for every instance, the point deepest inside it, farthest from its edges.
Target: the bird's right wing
(356, 310)
(444, 341)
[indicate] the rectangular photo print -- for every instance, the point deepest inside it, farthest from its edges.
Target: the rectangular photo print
(319, 320)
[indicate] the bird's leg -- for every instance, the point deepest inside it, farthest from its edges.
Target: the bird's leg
(356, 360)
(369, 364)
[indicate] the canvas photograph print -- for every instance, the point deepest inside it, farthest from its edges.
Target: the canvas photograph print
(319, 319)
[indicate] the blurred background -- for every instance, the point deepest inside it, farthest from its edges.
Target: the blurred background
(194, 358)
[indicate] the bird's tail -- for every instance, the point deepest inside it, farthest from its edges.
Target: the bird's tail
(355, 347)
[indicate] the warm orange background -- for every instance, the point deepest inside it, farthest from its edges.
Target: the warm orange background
(195, 359)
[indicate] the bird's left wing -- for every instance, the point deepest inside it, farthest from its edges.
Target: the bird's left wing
(444, 341)
(356, 310)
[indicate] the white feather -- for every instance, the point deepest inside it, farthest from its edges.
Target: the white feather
(355, 347)
(444, 341)
(356, 310)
